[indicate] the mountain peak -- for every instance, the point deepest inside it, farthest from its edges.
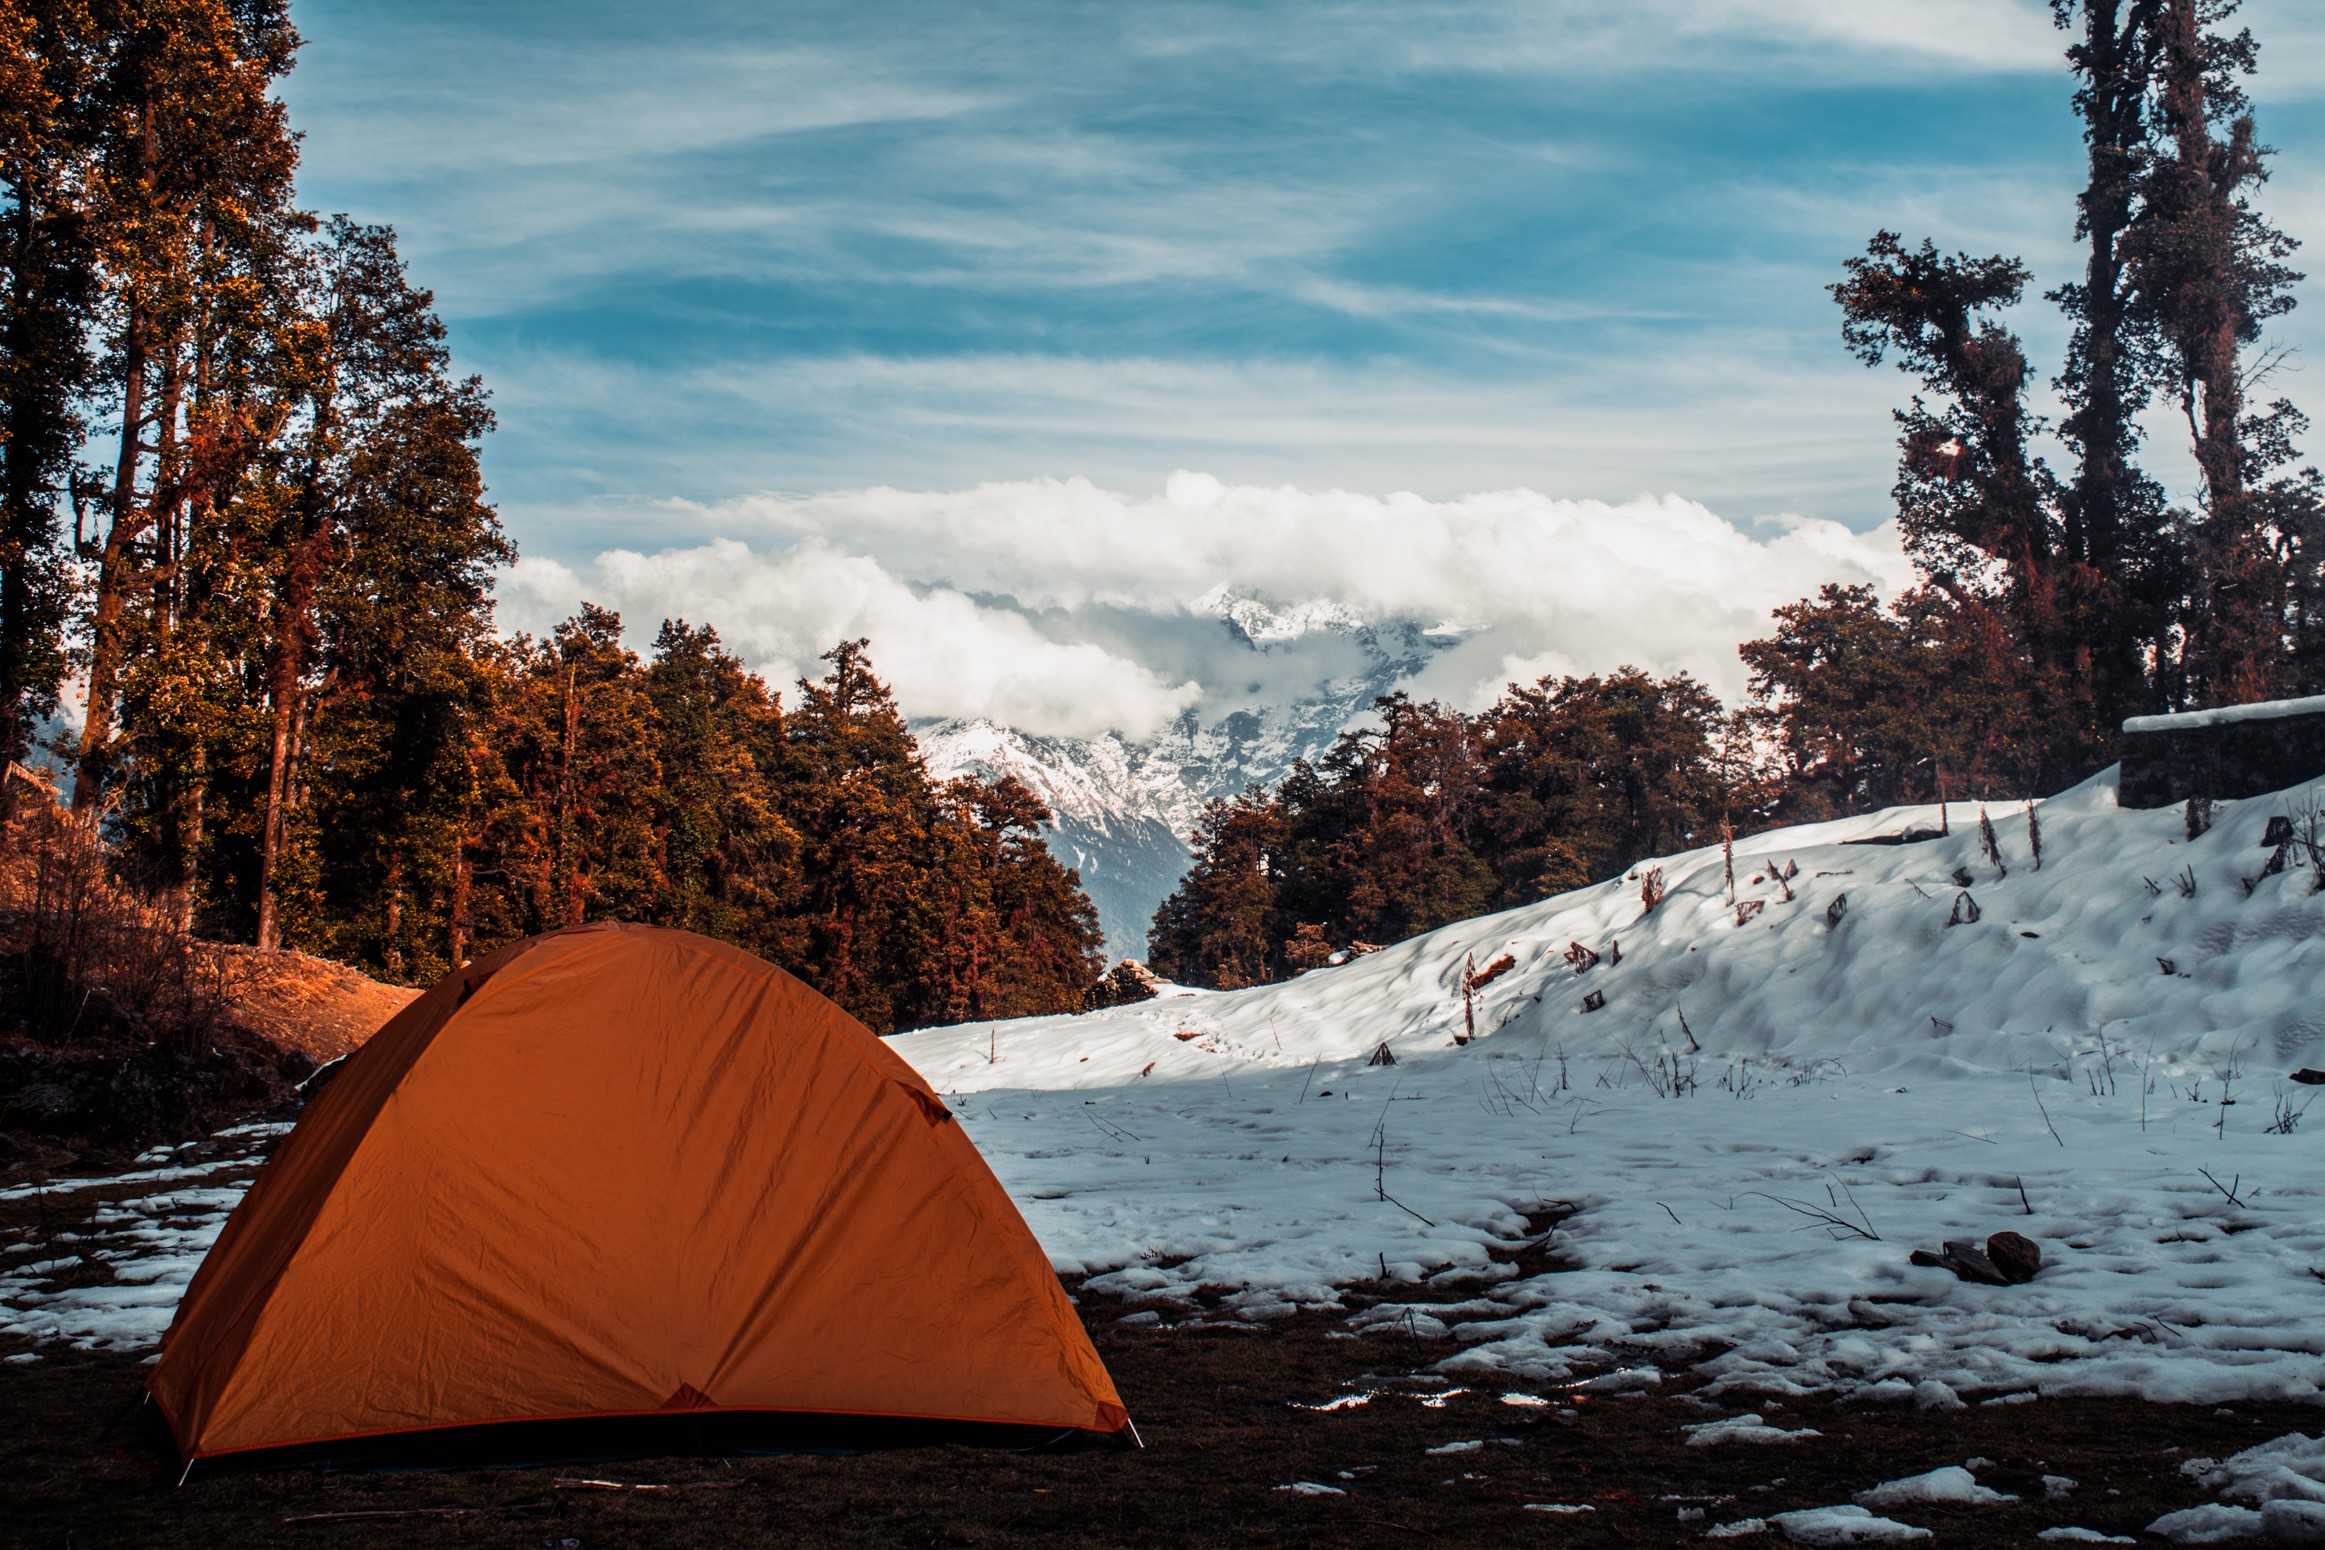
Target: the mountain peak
(1263, 622)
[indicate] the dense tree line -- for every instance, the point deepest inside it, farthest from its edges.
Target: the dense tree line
(275, 584)
(1432, 816)
(2054, 602)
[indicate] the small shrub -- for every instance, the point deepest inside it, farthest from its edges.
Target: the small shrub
(1480, 978)
(1651, 890)
(92, 960)
(1306, 949)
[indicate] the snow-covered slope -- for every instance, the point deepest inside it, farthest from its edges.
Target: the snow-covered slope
(1761, 1120)
(1126, 810)
(2099, 1060)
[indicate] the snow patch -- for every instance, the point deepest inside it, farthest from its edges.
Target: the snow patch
(1844, 1526)
(1952, 1484)
(1743, 1428)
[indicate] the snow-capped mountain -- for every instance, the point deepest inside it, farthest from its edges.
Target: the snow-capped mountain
(1126, 811)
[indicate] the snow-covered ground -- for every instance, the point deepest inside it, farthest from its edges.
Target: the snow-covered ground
(2096, 1061)
(147, 1228)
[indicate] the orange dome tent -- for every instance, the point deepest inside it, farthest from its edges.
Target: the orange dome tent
(642, 1191)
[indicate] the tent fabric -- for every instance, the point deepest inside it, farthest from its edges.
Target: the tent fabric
(620, 1171)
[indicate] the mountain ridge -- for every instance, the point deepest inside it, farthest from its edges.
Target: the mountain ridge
(1126, 811)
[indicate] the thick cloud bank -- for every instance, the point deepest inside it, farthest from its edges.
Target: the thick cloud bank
(1066, 609)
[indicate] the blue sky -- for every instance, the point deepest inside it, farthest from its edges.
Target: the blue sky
(713, 255)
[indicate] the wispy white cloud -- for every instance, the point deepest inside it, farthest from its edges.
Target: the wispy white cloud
(1064, 607)
(1761, 426)
(944, 652)
(1826, 39)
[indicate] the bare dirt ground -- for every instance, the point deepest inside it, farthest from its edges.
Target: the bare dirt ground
(83, 1464)
(319, 1008)
(119, 1029)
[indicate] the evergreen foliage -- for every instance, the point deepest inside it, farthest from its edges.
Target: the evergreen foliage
(1432, 816)
(2055, 605)
(301, 728)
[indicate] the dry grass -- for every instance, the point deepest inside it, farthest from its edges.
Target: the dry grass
(88, 958)
(119, 1029)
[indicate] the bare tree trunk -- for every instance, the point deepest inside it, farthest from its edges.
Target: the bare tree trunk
(190, 820)
(568, 862)
(293, 626)
(2210, 174)
(393, 956)
(456, 936)
(115, 575)
(284, 690)
(35, 413)
(114, 570)
(2100, 375)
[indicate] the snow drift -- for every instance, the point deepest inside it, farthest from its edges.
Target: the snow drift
(1752, 1117)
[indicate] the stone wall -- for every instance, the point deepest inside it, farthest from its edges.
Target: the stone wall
(2239, 751)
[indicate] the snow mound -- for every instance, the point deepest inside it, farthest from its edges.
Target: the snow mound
(2291, 1468)
(2207, 1525)
(2083, 1536)
(1743, 1428)
(1731, 1127)
(1844, 1526)
(2284, 1479)
(1952, 1484)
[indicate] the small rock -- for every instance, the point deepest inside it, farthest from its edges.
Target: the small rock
(2016, 1257)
